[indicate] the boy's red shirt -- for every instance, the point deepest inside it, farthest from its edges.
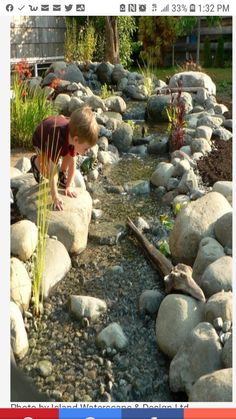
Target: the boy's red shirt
(52, 137)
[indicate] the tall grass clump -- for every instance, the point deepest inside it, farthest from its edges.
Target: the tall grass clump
(28, 108)
(44, 205)
(148, 73)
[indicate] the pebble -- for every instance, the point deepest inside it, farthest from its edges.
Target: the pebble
(44, 367)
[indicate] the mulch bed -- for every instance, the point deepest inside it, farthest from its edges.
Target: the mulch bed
(217, 165)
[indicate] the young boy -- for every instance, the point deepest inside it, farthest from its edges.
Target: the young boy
(58, 136)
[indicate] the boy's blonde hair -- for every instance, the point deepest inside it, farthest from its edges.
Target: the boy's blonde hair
(83, 125)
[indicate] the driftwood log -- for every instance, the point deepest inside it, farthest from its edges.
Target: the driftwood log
(159, 261)
(176, 278)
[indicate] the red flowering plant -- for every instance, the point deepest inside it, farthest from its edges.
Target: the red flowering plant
(177, 123)
(22, 71)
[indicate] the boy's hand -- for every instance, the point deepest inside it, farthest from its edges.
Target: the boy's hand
(70, 192)
(57, 203)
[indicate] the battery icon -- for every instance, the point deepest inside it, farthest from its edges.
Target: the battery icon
(192, 8)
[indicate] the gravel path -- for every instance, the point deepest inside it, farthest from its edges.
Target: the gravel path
(77, 369)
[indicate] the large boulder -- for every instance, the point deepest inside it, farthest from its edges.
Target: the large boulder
(19, 339)
(20, 284)
(72, 73)
(162, 174)
(224, 187)
(57, 264)
(200, 354)
(219, 305)
(118, 73)
(213, 387)
(24, 236)
(223, 230)
(70, 226)
(177, 316)
(122, 137)
(193, 79)
(104, 72)
(62, 103)
(217, 276)
(156, 108)
(115, 104)
(193, 223)
(209, 251)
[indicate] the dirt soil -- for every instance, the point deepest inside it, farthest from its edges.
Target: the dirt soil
(217, 165)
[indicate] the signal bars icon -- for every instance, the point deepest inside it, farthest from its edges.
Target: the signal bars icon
(166, 9)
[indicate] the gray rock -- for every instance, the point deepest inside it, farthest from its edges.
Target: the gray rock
(222, 134)
(214, 387)
(228, 124)
(104, 72)
(137, 187)
(140, 150)
(106, 233)
(136, 92)
(113, 337)
(149, 301)
(210, 121)
(23, 164)
(79, 180)
(223, 230)
(182, 200)
(193, 79)
(172, 184)
(217, 276)
(219, 305)
(209, 251)
(141, 224)
(48, 79)
(24, 236)
(200, 354)
(45, 368)
(122, 83)
(181, 167)
(107, 157)
(62, 103)
(95, 102)
(200, 145)
(193, 223)
(227, 353)
(85, 306)
(19, 339)
(122, 137)
(188, 182)
(70, 226)
(20, 284)
(225, 188)
(116, 104)
(220, 109)
(73, 74)
(96, 214)
(103, 143)
(204, 132)
(56, 265)
(158, 146)
(75, 103)
(162, 174)
(218, 323)
(177, 316)
(118, 73)
(156, 108)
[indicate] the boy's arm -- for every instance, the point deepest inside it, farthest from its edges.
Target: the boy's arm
(53, 176)
(70, 177)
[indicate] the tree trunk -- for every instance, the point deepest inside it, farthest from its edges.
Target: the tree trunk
(198, 39)
(112, 40)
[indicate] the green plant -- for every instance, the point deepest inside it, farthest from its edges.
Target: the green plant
(166, 221)
(177, 123)
(71, 39)
(178, 207)
(106, 91)
(148, 73)
(39, 258)
(87, 43)
(164, 248)
(28, 109)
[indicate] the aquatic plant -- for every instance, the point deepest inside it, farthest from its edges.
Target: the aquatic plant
(177, 123)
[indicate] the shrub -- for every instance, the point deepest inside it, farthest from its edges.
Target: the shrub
(176, 114)
(28, 108)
